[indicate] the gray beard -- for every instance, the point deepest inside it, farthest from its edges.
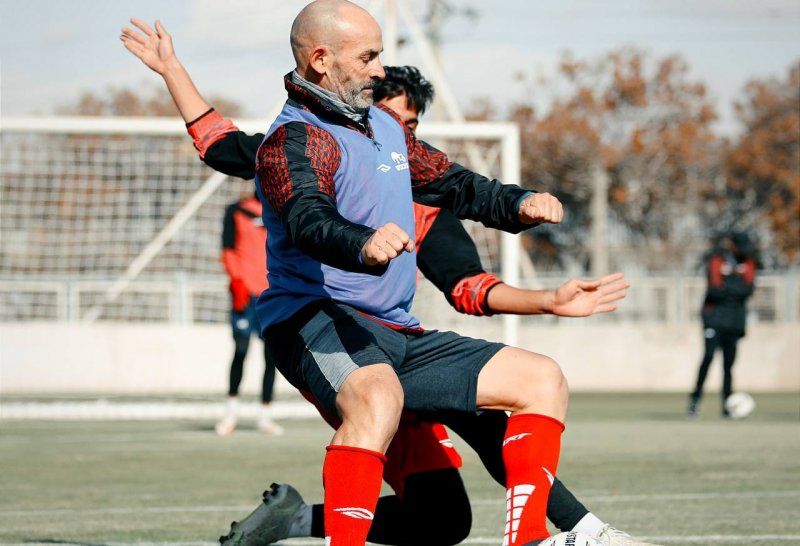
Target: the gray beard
(353, 112)
(354, 99)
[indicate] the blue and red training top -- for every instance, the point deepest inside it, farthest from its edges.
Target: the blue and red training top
(300, 176)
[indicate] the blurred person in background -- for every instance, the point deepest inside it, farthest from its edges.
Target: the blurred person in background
(422, 463)
(731, 274)
(243, 255)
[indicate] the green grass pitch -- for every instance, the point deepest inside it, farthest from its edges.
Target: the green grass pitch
(633, 459)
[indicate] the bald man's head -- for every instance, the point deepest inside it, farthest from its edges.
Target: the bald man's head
(336, 45)
(313, 25)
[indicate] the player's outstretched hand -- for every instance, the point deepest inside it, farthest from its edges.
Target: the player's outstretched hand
(540, 208)
(576, 298)
(153, 47)
(386, 244)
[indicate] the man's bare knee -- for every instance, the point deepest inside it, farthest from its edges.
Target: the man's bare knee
(370, 402)
(523, 382)
(542, 385)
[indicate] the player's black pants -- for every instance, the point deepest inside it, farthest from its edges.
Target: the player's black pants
(237, 368)
(725, 340)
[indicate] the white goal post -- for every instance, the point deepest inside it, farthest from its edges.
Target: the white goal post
(98, 210)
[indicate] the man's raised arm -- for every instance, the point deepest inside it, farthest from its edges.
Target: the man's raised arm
(218, 141)
(154, 48)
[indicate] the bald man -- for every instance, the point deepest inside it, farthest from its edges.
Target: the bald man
(337, 177)
(427, 486)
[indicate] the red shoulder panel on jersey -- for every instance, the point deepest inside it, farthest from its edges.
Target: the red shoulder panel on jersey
(715, 271)
(424, 216)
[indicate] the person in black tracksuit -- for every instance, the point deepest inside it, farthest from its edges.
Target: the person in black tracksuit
(731, 273)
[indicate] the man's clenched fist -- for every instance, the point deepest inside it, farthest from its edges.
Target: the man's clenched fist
(540, 208)
(386, 244)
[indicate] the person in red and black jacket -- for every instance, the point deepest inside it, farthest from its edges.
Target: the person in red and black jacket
(731, 274)
(447, 256)
(243, 256)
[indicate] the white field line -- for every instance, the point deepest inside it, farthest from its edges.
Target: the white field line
(484, 502)
(703, 539)
(101, 410)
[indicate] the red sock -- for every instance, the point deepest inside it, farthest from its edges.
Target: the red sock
(352, 480)
(530, 452)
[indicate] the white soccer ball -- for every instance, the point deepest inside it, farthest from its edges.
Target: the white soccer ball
(571, 538)
(740, 405)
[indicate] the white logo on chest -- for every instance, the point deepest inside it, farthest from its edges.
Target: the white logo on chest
(400, 161)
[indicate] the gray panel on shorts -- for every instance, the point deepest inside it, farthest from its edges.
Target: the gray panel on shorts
(336, 364)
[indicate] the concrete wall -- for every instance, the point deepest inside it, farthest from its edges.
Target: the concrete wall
(130, 358)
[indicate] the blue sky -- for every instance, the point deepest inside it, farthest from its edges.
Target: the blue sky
(51, 50)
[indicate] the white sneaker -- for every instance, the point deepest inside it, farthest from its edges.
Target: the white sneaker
(227, 425)
(611, 536)
(268, 426)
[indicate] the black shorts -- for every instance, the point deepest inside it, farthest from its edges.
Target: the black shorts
(322, 344)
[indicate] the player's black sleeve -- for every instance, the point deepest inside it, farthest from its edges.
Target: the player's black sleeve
(315, 226)
(447, 254)
(472, 196)
(438, 182)
(295, 168)
(235, 154)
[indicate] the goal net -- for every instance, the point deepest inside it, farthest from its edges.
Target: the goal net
(116, 219)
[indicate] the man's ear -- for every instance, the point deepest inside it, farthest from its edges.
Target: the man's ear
(320, 60)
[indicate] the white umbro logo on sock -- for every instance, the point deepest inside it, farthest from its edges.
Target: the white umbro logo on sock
(516, 437)
(355, 512)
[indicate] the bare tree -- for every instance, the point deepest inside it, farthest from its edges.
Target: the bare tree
(127, 102)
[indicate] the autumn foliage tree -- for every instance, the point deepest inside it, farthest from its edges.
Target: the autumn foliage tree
(644, 123)
(763, 166)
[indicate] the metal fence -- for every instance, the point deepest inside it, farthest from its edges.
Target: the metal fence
(182, 299)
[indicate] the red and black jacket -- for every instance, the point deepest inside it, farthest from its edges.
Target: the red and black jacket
(446, 254)
(731, 282)
(243, 244)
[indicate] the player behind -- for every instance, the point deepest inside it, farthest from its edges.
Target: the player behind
(226, 149)
(243, 256)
